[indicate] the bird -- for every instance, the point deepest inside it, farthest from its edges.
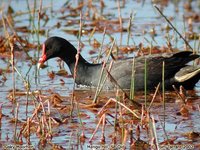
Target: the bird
(145, 73)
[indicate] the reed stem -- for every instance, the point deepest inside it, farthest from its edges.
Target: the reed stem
(132, 91)
(145, 82)
(116, 108)
(173, 27)
(102, 78)
(154, 132)
(76, 63)
(129, 27)
(79, 116)
(163, 91)
(100, 52)
(16, 120)
(120, 20)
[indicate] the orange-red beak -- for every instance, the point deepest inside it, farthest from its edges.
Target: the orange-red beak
(43, 58)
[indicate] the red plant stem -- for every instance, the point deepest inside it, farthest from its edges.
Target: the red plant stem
(28, 130)
(13, 69)
(79, 45)
(97, 127)
(76, 63)
(103, 127)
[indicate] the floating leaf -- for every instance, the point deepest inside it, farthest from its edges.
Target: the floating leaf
(62, 72)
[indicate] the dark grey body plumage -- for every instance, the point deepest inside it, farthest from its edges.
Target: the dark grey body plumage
(88, 74)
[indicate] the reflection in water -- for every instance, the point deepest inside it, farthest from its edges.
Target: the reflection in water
(149, 32)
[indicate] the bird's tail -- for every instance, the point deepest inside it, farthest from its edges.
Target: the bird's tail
(188, 76)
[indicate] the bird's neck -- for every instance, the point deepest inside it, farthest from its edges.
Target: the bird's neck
(82, 65)
(84, 71)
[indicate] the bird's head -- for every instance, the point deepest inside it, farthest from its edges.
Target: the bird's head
(57, 47)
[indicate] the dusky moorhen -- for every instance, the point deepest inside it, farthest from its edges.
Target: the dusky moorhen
(176, 72)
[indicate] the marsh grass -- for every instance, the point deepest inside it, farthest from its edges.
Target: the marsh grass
(120, 20)
(12, 39)
(16, 121)
(129, 27)
(44, 117)
(154, 137)
(101, 48)
(37, 31)
(145, 81)
(103, 77)
(5, 21)
(174, 28)
(132, 89)
(76, 63)
(163, 92)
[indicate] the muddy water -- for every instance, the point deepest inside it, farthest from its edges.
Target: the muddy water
(145, 21)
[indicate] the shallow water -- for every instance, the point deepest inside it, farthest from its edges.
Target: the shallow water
(66, 135)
